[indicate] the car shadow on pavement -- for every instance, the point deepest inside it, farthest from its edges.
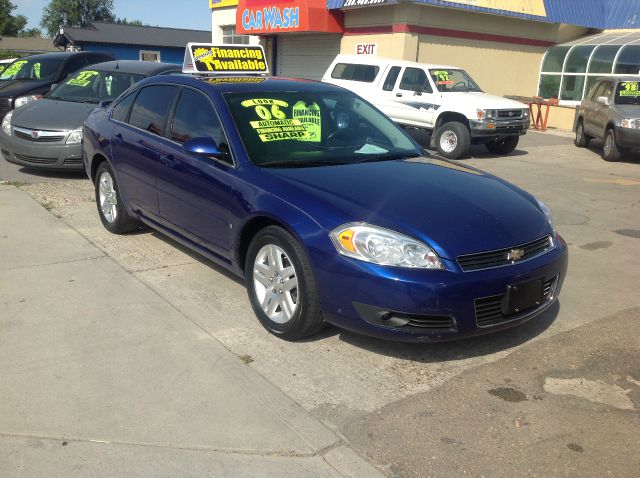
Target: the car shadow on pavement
(459, 349)
(45, 173)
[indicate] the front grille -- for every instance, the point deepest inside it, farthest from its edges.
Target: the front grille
(73, 161)
(34, 160)
(5, 106)
(39, 139)
(510, 114)
(498, 258)
(489, 309)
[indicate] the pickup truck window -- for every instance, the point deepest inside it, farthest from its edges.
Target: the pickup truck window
(415, 79)
(355, 72)
(453, 80)
(391, 79)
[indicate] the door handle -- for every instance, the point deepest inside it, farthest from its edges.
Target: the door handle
(118, 139)
(399, 95)
(169, 160)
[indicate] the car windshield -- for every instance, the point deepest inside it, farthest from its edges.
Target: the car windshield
(449, 80)
(31, 69)
(628, 93)
(93, 86)
(307, 128)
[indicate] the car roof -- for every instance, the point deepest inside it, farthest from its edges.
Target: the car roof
(149, 68)
(382, 61)
(63, 55)
(242, 84)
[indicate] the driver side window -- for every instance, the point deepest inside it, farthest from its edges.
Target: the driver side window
(415, 79)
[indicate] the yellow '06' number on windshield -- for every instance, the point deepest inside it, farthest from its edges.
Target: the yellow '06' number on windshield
(267, 108)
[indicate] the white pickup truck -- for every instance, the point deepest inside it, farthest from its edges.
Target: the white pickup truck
(443, 100)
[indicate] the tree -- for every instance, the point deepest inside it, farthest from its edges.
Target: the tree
(11, 25)
(75, 13)
(135, 23)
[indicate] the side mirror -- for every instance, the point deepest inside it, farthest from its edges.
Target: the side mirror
(104, 103)
(204, 147)
(603, 100)
(54, 86)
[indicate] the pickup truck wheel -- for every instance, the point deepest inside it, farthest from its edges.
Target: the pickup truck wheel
(453, 140)
(503, 146)
(582, 140)
(611, 151)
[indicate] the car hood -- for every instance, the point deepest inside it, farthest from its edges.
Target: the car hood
(53, 115)
(628, 111)
(455, 209)
(15, 88)
(483, 101)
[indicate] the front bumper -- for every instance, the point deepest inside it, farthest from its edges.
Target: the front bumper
(53, 156)
(628, 138)
(416, 305)
(498, 128)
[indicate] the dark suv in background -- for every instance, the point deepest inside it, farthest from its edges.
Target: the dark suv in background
(30, 77)
(611, 112)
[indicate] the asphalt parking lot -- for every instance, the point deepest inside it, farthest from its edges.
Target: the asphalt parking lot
(559, 396)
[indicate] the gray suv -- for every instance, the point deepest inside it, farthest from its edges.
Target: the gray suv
(611, 112)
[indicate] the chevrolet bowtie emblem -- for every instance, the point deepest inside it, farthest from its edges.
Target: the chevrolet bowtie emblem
(515, 254)
(35, 134)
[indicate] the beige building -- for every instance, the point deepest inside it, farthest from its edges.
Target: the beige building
(502, 44)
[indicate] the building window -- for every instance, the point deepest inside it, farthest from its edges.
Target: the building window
(570, 71)
(146, 55)
(230, 37)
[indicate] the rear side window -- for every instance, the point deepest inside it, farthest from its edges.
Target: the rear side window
(151, 107)
(355, 72)
(121, 110)
(391, 79)
(195, 118)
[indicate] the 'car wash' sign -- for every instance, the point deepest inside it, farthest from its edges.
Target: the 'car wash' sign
(271, 18)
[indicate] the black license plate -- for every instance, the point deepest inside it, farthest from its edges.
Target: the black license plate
(523, 296)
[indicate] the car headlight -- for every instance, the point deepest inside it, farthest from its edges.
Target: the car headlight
(547, 212)
(6, 123)
(75, 137)
(631, 123)
(486, 115)
(526, 113)
(383, 246)
(23, 100)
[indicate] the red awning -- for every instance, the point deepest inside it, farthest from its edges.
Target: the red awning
(267, 17)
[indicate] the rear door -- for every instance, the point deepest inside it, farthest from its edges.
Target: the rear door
(137, 145)
(602, 112)
(194, 191)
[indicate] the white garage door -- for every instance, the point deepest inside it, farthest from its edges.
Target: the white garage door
(306, 56)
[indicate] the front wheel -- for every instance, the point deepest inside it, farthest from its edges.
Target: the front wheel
(503, 146)
(611, 151)
(453, 140)
(281, 286)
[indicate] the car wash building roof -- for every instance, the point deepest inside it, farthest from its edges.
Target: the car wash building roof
(600, 14)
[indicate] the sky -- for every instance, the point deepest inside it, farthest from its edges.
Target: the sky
(191, 14)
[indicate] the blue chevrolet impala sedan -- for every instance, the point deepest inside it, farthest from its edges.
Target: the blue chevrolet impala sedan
(325, 207)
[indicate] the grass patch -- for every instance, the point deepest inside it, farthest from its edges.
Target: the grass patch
(246, 358)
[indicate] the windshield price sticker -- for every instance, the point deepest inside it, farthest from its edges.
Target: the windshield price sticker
(13, 69)
(442, 77)
(629, 88)
(309, 116)
(83, 79)
(274, 124)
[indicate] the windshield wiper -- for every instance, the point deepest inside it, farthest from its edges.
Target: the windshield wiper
(388, 157)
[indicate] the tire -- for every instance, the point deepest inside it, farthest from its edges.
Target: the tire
(113, 214)
(453, 140)
(611, 152)
(287, 304)
(581, 140)
(503, 146)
